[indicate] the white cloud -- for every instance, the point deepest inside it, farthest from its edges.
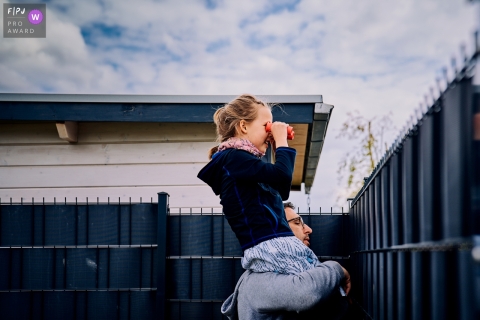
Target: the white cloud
(370, 55)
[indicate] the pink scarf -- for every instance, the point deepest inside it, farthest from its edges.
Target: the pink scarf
(242, 144)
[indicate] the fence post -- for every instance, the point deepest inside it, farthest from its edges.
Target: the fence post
(161, 253)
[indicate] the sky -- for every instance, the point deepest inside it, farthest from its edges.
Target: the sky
(370, 56)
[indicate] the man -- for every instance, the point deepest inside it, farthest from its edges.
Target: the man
(301, 230)
(307, 295)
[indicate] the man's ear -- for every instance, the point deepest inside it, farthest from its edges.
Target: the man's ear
(243, 126)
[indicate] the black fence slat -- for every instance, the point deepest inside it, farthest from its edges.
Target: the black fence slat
(371, 217)
(375, 286)
(175, 231)
(58, 305)
(457, 135)
(126, 227)
(144, 222)
(391, 292)
(60, 225)
(231, 245)
(217, 275)
(179, 281)
(362, 239)
(146, 268)
(102, 225)
(402, 311)
(196, 278)
(217, 235)
(437, 283)
(395, 199)
(417, 294)
(102, 305)
(16, 226)
(37, 271)
(407, 194)
(38, 227)
(124, 306)
(326, 237)
(161, 255)
(466, 273)
(103, 268)
(368, 283)
(385, 208)
(13, 305)
(5, 269)
(81, 302)
(366, 226)
(15, 277)
(195, 237)
(142, 305)
(364, 277)
(125, 267)
(377, 184)
(82, 269)
(382, 297)
(426, 172)
(38, 305)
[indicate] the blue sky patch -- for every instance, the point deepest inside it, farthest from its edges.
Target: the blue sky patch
(272, 8)
(258, 42)
(92, 32)
(275, 7)
(217, 45)
(211, 4)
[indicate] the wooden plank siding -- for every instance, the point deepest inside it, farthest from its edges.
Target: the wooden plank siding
(107, 132)
(116, 160)
(105, 153)
(180, 196)
(112, 175)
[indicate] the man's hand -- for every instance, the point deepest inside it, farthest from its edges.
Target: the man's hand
(346, 284)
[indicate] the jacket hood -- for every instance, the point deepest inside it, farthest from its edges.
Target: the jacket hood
(211, 174)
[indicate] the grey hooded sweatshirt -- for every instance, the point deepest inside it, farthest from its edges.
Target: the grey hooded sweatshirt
(262, 296)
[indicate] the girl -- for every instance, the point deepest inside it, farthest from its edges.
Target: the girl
(251, 190)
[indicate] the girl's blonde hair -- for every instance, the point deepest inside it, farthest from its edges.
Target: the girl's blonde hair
(226, 118)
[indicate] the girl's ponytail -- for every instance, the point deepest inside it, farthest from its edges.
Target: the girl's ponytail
(212, 151)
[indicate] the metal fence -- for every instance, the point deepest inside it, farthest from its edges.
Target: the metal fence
(128, 260)
(417, 217)
(78, 261)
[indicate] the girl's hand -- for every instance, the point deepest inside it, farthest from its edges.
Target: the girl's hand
(279, 134)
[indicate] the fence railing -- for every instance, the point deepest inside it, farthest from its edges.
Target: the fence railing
(415, 220)
(128, 260)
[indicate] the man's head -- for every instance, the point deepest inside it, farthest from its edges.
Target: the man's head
(300, 229)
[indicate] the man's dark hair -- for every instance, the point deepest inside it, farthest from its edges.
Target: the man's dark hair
(288, 205)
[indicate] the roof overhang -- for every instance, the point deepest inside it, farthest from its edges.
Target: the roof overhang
(307, 113)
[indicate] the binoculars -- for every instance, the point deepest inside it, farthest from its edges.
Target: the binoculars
(290, 132)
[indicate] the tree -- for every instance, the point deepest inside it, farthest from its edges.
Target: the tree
(357, 164)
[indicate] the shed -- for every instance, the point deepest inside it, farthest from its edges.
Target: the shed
(70, 147)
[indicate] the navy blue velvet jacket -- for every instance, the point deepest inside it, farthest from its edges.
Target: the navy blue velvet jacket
(251, 192)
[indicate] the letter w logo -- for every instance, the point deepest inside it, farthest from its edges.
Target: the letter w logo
(35, 16)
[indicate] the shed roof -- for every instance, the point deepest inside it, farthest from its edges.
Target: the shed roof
(307, 113)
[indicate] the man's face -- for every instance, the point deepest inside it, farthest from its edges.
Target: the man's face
(300, 231)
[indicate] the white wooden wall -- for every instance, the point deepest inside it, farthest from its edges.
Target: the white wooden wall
(116, 160)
